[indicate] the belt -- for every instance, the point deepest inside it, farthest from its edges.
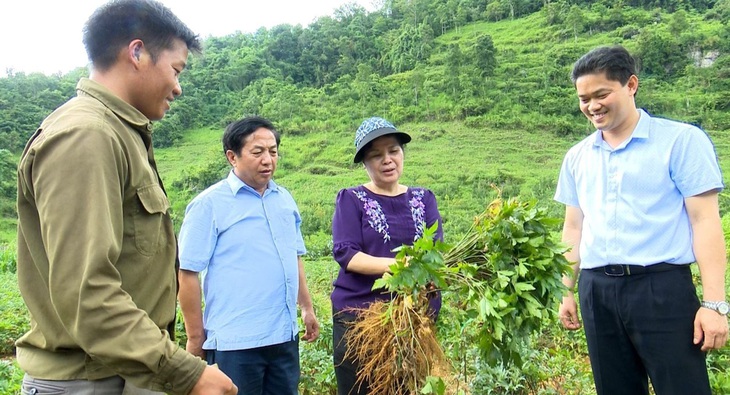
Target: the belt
(616, 270)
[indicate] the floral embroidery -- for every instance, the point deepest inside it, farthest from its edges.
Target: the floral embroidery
(375, 213)
(418, 211)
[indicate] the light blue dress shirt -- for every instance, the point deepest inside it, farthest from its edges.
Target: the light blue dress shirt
(632, 197)
(246, 247)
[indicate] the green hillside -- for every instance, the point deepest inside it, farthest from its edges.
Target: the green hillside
(517, 145)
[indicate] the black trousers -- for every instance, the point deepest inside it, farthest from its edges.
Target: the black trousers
(345, 369)
(640, 327)
(267, 370)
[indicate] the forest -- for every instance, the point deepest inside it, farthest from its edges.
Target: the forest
(483, 87)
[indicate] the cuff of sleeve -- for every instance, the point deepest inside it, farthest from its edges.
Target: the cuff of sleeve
(180, 373)
(343, 253)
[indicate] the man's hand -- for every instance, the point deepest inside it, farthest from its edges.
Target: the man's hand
(311, 326)
(711, 329)
(195, 347)
(568, 312)
(214, 382)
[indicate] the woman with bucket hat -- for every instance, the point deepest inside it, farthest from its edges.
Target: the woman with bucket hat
(371, 220)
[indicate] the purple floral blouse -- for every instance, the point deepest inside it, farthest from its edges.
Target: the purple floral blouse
(375, 224)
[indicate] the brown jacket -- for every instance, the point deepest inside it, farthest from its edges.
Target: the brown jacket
(96, 250)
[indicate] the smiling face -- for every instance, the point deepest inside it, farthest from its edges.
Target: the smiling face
(256, 163)
(607, 104)
(158, 85)
(384, 161)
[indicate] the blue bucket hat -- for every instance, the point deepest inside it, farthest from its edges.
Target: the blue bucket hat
(372, 128)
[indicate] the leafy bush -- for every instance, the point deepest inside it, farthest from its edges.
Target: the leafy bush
(317, 366)
(519, 281)
(201, 177)
(319, 245)
(7, 174)
(498, 379)
(181, 338)
(8, 259)
(14, 320)
(717, 363)
(10, 377)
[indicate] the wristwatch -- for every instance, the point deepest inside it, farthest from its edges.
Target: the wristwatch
(721, 307)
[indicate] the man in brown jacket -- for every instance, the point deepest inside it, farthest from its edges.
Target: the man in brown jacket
(96, 246)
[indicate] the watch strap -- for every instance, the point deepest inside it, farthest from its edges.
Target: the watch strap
(721, 307)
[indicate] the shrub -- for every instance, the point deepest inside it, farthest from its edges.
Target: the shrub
(317, 367)
(717, 363)
(7, 174)
(319, 245)
(10, 377)
(8, 259)
(14, 320)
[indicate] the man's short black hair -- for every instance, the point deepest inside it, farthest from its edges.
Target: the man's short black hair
(235, 134)
(615, 61)
(119, 22)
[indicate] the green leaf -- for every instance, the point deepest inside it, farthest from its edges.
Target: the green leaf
(523, 287)
(434, 386)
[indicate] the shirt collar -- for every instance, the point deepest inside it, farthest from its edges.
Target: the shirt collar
(236, 184)
(115, 104)
(641, 131)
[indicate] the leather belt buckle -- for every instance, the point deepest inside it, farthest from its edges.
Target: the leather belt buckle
(617, 270)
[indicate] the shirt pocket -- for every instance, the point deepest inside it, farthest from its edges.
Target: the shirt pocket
(149, 219)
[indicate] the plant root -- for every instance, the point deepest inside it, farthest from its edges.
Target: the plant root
(395, 345)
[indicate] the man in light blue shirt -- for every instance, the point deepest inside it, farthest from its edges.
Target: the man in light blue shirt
(243, 236)
(641, 197)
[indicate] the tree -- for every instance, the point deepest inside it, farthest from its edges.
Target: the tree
(555, 12)
(575, 20)
(485, 55)
(453, 69)
(410, 45)
(661, 54)
(365, 85)
(495, 11)
(678, 24)
(168, 131)
(7, 174)
(417, 81)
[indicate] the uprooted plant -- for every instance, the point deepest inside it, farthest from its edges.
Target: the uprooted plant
(505, 276)
(395, 341)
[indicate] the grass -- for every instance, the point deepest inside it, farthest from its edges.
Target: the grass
(8, 230)
(10, 376)
(559, 363)
(14, 319)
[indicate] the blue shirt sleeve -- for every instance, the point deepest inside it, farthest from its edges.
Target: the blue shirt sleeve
(566, 191)
(198, 236)
(693, 165)
(301, 248)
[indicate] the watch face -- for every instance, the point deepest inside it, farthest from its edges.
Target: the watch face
(723, 308)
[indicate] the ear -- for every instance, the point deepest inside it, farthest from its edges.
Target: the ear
(134, 51)
(231, 156)
(633, 84)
